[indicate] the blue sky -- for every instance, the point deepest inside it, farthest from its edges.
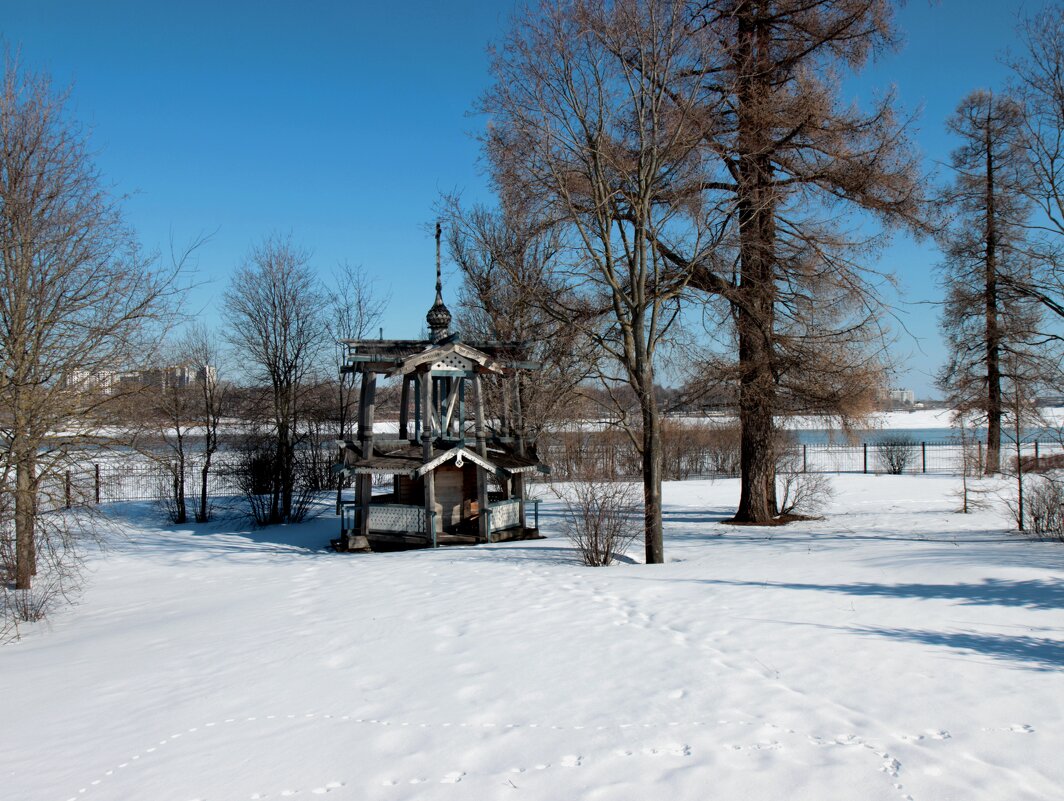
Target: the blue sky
(341, 123)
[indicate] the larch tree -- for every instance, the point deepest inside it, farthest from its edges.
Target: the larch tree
(596, 145)
(804, 174)
(78, 304)
(987, 318)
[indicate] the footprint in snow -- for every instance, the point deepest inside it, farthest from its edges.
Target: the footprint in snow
(571, 761)
(328, 788)
(453, 777)
(1022, 728)
(680, 749)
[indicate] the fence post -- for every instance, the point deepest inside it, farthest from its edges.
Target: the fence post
(66, 476)
(96, 482)
(805, 460)
(923, 457)
(865, 446)
(1036, 454)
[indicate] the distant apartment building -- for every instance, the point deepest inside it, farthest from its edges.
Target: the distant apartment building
(172, 377)
(904, 397)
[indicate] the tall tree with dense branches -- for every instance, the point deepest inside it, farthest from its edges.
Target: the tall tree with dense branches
(989, 318)
(766, 208)
(794, 162)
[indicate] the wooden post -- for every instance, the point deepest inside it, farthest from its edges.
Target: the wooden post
(923, 456)
(519, 418)
(865, 445)
(805, 460)
(426, 454)
(519, 484)
(461, 411)
(426, 417)
(369, 399)
(481, 435)
(96, 470)
(67, 487)
(417, 408)
(404, 409)
(482, 449)
(369, 413)
(1036, 459)
(361, 412)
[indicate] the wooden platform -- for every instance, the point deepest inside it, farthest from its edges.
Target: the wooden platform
(402, 541)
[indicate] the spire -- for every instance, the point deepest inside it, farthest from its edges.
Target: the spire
(438, 318)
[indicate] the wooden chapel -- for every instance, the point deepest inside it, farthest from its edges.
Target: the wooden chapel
(444, 458)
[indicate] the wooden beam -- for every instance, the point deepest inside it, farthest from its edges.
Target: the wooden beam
(426, 417)
(482, 442)
(452, 400)
(404, 408)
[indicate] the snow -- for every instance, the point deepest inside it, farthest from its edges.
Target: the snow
(893, 650)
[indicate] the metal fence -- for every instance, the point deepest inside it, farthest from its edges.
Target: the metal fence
(137, 480)
(131, 480)
(620, 459)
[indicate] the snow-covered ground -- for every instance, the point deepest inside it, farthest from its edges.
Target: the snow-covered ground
(894, 650)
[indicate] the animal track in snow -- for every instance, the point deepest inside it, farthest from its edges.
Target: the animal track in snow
(888, 764)
(676, 749)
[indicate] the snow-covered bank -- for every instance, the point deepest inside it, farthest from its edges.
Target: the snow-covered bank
(893, 650)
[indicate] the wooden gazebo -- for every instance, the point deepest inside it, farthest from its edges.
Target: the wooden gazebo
(442, 457)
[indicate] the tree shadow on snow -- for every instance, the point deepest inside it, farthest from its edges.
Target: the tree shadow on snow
(1038, 653)
(141, 526)
(1031, 594)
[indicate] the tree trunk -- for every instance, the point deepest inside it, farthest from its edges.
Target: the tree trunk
(204, 471)
(993, 333)
(25, 520)
(655, 549)
(757, 288)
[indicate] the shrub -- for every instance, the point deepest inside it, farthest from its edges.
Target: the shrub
(1044, 507)
(896, 455)
(599, 518)
(799, 494)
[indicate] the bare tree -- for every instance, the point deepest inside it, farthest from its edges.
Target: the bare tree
(1039, 86)
(78, 304)
(212, 396)
(275, 314)
(508, 259)
(354, 308)
(172, 406)
(596, 144)
(986, 317)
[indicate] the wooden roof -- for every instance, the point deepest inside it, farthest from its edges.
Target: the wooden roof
(404, 458)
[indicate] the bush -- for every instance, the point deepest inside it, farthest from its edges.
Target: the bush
(1044, 507)
(697, 448)
(599, 518)
(896, 455)
(799, 494)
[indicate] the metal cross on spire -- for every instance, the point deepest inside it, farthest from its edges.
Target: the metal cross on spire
(439, 317)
